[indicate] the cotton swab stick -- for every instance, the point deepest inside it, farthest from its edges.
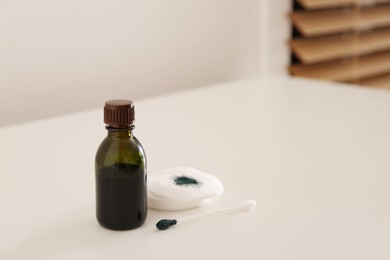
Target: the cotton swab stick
(243, 206)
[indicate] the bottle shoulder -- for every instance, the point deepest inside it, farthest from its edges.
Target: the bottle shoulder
(130, 142)
(120, 150)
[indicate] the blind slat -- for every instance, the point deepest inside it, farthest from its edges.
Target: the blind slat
(323, 4)
(345, 70)
(337, 21)
(382, 81)
(334, 47)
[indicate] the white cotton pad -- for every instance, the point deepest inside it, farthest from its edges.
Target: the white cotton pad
(181, 188)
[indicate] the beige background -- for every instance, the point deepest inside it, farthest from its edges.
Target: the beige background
(68, 55)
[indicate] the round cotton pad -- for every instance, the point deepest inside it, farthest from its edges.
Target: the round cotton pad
(181, 188)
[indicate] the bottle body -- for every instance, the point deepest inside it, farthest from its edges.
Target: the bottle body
(120, 175)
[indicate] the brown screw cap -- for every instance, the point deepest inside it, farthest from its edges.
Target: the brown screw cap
(119, 112)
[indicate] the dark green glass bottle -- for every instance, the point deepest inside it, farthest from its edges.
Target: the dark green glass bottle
(120, 171)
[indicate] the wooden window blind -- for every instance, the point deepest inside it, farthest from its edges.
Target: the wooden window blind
(342, 40)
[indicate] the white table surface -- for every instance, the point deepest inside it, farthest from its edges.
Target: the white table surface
(315, 155)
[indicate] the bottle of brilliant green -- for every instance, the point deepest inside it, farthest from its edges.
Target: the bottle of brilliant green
(120, 171)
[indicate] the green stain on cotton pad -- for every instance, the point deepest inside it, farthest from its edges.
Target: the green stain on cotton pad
(186, 181)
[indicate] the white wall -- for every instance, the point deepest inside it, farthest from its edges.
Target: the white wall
(275, 30)
(66, 55)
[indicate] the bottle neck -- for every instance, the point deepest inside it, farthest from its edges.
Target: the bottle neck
(120, 131)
